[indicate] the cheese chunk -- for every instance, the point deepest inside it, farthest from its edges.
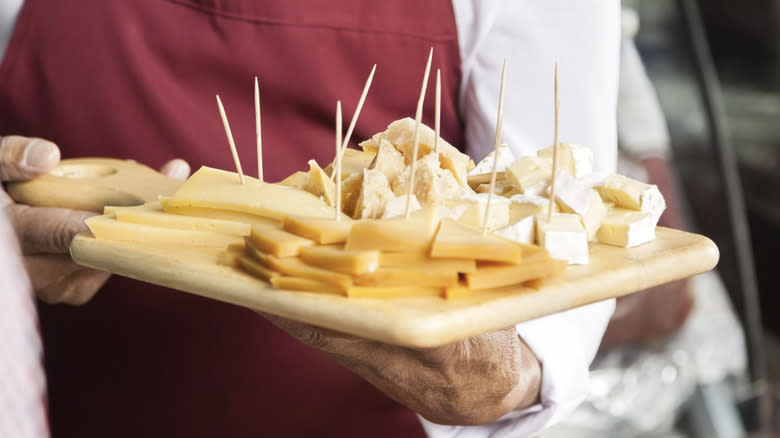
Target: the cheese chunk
(522, 206)
(388, 160)
(108, 228)
(424, 261)
(374, 195)
(432, 184)
(503, 187)
(352, 161)
(523, 231)
(320, 184)
(574, 159)
(391, 277)
(298, 180)
(277, 242)
(564, 237)
(631, 194)
(401, 134)
(484, 178)
(340, 260)
(158, 218)
(397, 206)
(626, 228)
(574, 197)
(502, 160)
(531, 175)
(460, 241)
(350, 192)
(218, 189)
(398, 234)
(470, 210)
(322, 231)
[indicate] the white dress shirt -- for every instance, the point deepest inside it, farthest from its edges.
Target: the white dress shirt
(584, 38)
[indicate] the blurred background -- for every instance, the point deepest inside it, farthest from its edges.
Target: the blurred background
(712, 71)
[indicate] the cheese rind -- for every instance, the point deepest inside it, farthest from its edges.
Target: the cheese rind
(563, 237)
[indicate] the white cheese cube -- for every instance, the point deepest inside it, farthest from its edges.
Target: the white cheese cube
(521, 206)
(574, 197)
(631, 194)
(523, 231)
(574, 159)
(563, 237)
(503, 159)
(531, 175)
(626, 228)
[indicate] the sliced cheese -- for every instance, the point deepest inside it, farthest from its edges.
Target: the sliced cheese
(340, 260)
(277, 242)
(219, 189)
(488, 277)
(563, 237)
(399, 234)
(401, 134)
(628, 193)
(298, 180)
(531, 175)
(423, 261)
(253, 267)
(173, 207)
(574, 159)
(322, 231)
(375, 193)
(307, 285)
(148, 206)
(626, 228)
(320, 184)
(574, 197)
(109, 228)
(457, 240)
(391, 277)
(158, 218)
(295, 267)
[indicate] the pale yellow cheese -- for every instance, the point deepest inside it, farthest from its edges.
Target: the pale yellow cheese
(628, 193)
(255, 268)
(158, 218)
(340, 260)
(398, 234)
(307, 285)
(375, 193)
(531, 175)
(391, 277)
(277, 242)
(484, 178)
(456, 240)
(488, 277)
(626, 228)
(298, 180)
(522, 206)
(432, 184)
(108, 228)
(171, 206)
(423, 261)
(352, 161)
(294, 267)
(350, 191)
(148, 206)
(388, 160)
(219, 189)
(320, 184)
(322, 231)
(470, 210)
(574, 159)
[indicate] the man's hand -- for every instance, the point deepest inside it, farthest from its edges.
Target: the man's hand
(45, 233)
(474, 381)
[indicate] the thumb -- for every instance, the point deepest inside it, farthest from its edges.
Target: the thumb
(176, 169)
(24, 158)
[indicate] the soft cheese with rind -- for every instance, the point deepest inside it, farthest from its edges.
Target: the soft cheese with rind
(573, 197)
(631, 194)
(574, 159)
(502, 158)
(564, 237)
(626, 228)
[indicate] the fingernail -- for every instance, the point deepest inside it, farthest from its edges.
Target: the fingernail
(179, 170)
(40, 154)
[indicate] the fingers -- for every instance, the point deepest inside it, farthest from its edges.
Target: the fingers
(23, 158)
(44, 230)
(58, 279)
(176, 169)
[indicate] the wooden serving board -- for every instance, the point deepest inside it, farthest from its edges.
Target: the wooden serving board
(414, 322)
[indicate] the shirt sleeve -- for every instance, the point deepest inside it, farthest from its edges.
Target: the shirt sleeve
(584, 38)
(9, 11)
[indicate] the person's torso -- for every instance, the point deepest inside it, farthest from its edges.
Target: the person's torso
(137, 79)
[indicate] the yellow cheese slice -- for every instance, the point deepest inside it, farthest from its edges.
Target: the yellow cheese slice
(219, 189)
(309, 285)
(320, 184)
(306, 285)
(484, 178)
(294, 267)
(423, 261)
(173, 206)
(158, 218)
(397, 234)
(322, 231)
(488, 277)
(277, 242)
(297, 180)
(339, 260)
(108, 228)
(148, 206)
(391, 277)
(255, 268)
(457, 240)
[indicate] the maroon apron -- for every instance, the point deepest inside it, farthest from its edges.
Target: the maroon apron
(137, 79)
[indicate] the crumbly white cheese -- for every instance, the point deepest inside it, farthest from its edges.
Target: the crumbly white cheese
(432, 183)
(626, 228)
(523, 231)
(397, 206)
(388, 160)
(574, 197)
(575, 159)
(375, 193)
(503, 159)
(563, 237)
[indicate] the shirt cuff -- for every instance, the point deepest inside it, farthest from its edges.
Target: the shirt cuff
(565, 344)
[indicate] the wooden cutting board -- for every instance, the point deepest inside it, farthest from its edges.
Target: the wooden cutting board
(414, 322)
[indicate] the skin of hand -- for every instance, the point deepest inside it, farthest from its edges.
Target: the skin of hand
(45, 233)
(474, 381)
(661, 311)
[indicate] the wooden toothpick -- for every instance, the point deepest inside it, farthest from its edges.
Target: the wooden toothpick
(338, 161)
(417, 122)
(230, 139)
(555, 150)
(359, 107)
(496, 145)
(437, 117)
(259, 132)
